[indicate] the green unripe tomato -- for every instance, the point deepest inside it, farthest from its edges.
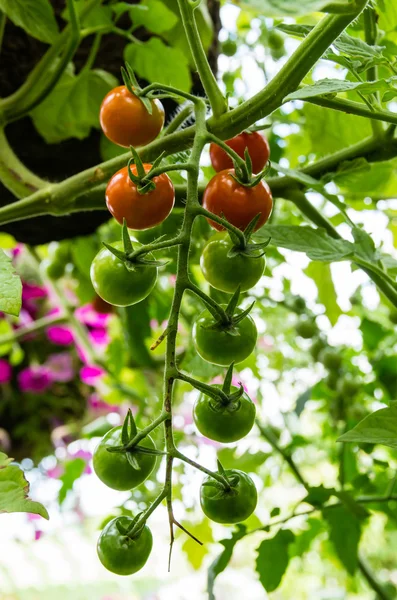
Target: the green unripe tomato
(113, 468)
(59, 252)
(306, 327)
(115, 284)
(224, 273)
(331, 358)
(121, 554)
(224, 423)
(229, 506)
(220, 347)
(317, 346)
(52, 269)
(229, 47)
(275, 40)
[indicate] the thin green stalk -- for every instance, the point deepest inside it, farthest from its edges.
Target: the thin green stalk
(33, 327)
(93, 52)
(14, 175)
(372, 581)
(354, 108)
(217, 101)
(179, 119)
(208, 301)
(267, 433)
(146, 430)
(3, 21)
(371, 34)
(196, 465)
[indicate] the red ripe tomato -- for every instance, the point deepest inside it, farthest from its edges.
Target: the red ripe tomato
(237, 203)
(258, 149)
(141, 211)
(125, 120)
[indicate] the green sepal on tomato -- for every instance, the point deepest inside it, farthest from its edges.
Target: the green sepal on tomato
(116, 284)
(222, 346)
(231, 505)
(120, 553)
(224, 421)
(226, 273)
(114, 468)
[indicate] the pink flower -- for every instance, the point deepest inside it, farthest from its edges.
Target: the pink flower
(60, 335)
(90, 374)
(98, 405)
(5, 371)
(17, 250)
(99, 336)
(33, 517)
(30, 294)
(34, 379)
(91, 317)
(55, 472)
(60, 366)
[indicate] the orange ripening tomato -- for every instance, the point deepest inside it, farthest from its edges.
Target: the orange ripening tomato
(125, 120)
(258, 149)
(224, 196)
(141, 211)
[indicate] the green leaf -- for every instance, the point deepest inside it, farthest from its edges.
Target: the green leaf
(334, 86)
(304, 539)
(36, 17)
(231, 459)
(221, 561)
(153, 15)
(318, 495)
(344, 533)
(73, 470)
(72, 108)
(373, 333)
(316, 243)
(10, 287)
(378, 428)
(98, 16)
(155, 61)
(321, 275)
(288, 8)
(273, 558)
(194, 552)
(14, 490)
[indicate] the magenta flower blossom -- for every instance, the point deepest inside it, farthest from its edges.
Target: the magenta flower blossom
(5, 371)
(99, 406)
(38, 534)
(92, 318)
(60, 335)
(31, 293)
(90, 374)
(86, 456)
(99, 336)
(34, 379)
(60, 366)
(55, 472)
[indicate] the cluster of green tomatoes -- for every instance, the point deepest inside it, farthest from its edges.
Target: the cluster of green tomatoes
(123, 276)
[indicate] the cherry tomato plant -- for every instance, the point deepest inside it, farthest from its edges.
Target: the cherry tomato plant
(190, 291)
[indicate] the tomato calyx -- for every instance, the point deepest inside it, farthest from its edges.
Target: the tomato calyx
(143, 180)
(128, 257)
(134, 530)
(132, 85)
(128, 433)
(242, 245)
(229, 487)
(228, 321)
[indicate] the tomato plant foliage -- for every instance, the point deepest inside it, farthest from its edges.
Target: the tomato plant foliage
(154, 340)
